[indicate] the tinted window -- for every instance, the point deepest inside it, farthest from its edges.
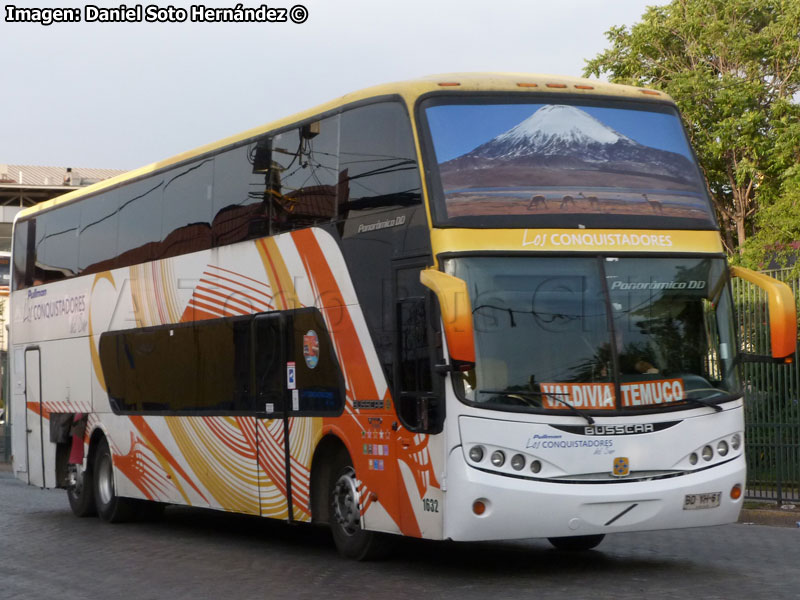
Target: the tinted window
(240, 184)
(195, 367)
(98, 233)
(21, 255)
(222, 349)
(306, 173)
(140, 221)
(377, 159)
(186, 220)
(318, 375)
(223, 365)
(270, 365)
(57, 244)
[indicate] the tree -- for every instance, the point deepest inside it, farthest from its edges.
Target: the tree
(776, 242)
(733, 68)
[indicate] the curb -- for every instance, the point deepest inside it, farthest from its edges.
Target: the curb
(770, 516)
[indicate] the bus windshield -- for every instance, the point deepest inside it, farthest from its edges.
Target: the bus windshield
(598, 333)
(504, 163)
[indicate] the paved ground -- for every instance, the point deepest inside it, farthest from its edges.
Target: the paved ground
(46, 553)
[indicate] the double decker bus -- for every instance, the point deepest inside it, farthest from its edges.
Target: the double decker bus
(469, 307)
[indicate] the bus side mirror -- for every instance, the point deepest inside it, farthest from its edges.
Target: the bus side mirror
(456, 316)
(782, 311)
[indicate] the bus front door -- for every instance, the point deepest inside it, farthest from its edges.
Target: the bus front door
(34, 419)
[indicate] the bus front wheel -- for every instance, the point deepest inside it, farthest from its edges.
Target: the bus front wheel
(110, 506)
(345, 516)
(576, 543)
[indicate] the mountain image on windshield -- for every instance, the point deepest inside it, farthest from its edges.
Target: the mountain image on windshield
(562, 159)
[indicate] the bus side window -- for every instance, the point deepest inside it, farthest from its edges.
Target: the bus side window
(304, 169)
(320, 383)
(23, 253)
(269, 364)
(379, 185)
(377, 161)
(186, 217)
(97, 249)
(57, 244)
(222, 348)
(239, 209)
(139, 221)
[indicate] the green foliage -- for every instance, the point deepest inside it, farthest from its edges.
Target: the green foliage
(733, 67)
(775, 244)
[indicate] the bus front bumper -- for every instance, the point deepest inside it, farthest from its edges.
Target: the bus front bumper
(521, 508)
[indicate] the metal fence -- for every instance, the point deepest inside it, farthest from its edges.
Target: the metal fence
(772, 402)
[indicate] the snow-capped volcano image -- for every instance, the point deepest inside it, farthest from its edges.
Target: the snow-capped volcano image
(552, 130)
(565, 145)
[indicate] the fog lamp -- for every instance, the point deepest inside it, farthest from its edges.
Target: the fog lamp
(476, 453)
(498, 458)
(722, 448)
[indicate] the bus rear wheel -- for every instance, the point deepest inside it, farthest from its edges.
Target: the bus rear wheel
(345, 516)
(110, 506)
(577, 543)
(81, 494)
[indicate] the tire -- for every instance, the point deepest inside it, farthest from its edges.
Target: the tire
(577, 543)
(110, 506)
(81, 495)
(345, 516)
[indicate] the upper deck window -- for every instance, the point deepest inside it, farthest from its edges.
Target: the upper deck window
(501, 163)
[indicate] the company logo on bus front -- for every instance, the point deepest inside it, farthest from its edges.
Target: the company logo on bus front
(622, 467)
(619, 429)
(616, 429)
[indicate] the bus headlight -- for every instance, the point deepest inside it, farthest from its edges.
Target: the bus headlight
(736, 441)
(708, 453)
(518, 462)
(476, 453)
(722, 448)
(498, 458)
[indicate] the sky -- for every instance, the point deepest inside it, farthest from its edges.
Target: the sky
(122, 95)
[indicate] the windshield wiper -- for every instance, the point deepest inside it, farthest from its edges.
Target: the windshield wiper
(554, 395)
(698, 401)
(715, 405)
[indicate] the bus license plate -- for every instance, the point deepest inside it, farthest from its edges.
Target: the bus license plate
(697, 501)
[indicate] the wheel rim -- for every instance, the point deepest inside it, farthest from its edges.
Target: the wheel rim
(77, 487)
(346, 509)
(105, 481)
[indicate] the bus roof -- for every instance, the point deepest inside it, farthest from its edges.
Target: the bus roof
(408, 90)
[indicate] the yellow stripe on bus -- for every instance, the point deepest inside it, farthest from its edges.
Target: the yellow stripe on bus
(574, 240)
